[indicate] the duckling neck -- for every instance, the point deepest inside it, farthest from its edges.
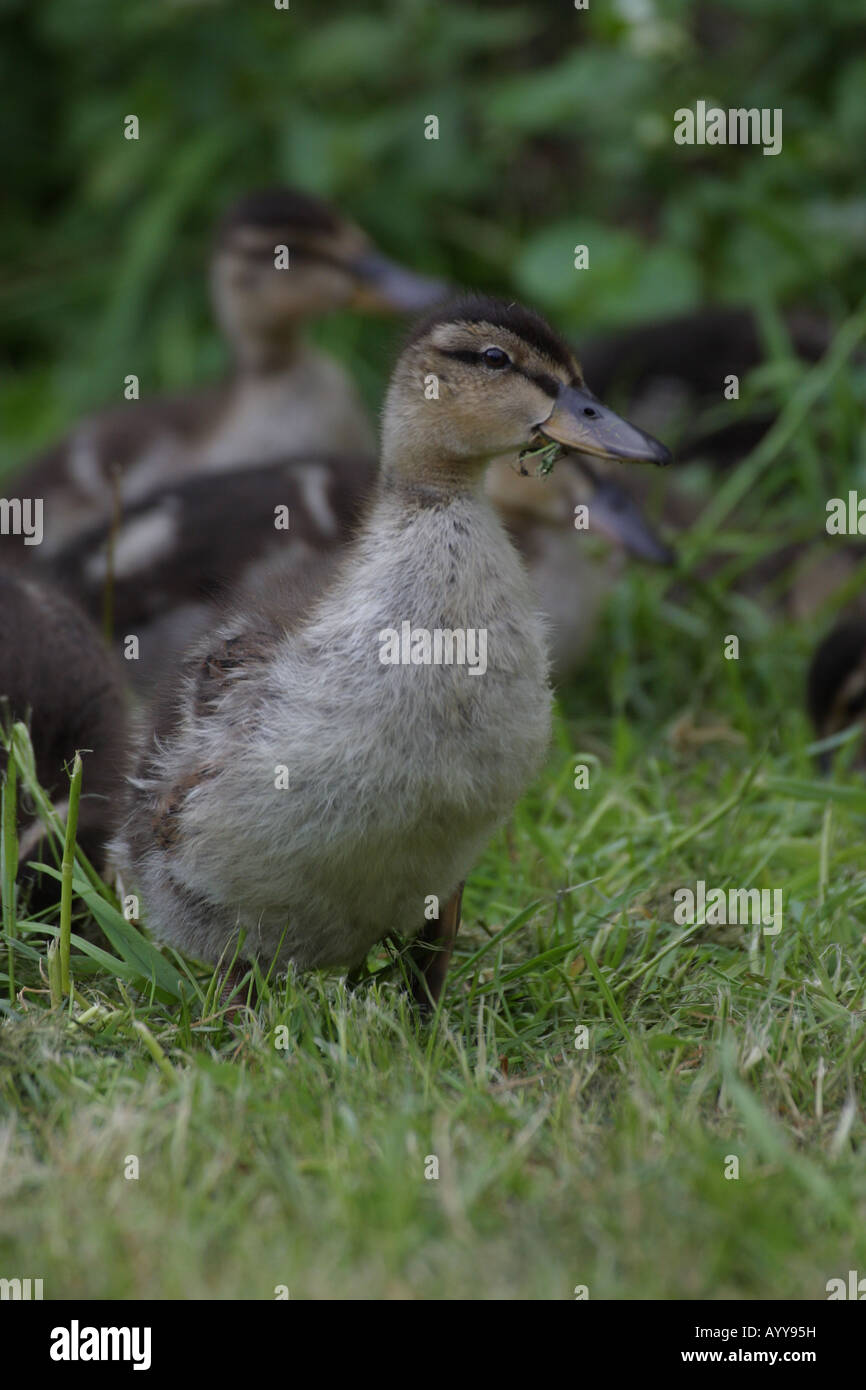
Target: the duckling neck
(426, 478)
(267, 356)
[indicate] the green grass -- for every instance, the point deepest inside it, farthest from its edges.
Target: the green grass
(303, 1165)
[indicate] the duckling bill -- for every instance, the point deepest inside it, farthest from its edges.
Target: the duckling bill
(301, 798)
(580, 421)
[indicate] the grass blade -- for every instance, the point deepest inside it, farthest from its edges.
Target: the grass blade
(9, 865)
(66, 871)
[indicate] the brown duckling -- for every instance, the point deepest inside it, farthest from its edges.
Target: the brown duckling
(57, 676)
(330, 766)
(284, 396)
(188, 544)
(668, 371)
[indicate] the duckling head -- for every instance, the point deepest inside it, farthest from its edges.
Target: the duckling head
(282, 257)
(481, 378)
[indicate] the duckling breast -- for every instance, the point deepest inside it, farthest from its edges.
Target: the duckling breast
(312, 407)
(407, 717)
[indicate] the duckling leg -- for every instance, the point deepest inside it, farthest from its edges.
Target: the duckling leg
(231, 997)
(431, 955)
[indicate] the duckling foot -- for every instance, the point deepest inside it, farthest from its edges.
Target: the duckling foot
(431, 955)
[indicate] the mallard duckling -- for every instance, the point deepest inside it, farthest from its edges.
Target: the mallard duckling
(284, 395)
(183, 547)
(333, 763)
(56, 675)
(670, 370)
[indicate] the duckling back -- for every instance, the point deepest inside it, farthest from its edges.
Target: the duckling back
(182, 548)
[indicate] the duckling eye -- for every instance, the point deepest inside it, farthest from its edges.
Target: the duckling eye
(495, 357)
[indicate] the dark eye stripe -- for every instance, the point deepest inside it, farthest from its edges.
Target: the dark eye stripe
(548, 384)
(467, 355)
(460, 354)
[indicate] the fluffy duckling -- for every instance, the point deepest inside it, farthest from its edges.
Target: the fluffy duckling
(283, 391)
(56, 675)
(334, 761)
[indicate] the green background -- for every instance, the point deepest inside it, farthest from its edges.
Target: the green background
(556, 127)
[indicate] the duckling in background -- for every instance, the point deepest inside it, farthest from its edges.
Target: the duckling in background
(282, 393)
(667, 374)
(56, 675)
(309, 789)
(188, 544)
(836, 684)
(671, 370)
(540, 515)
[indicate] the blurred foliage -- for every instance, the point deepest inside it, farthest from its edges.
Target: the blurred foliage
(555, 129)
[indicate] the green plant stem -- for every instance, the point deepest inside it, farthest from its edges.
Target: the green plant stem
(10, 862)
(66, 868)
(154, 1049)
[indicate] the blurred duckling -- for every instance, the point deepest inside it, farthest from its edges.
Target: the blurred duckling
(284, 395)
(836, 684)
(318, 777)
(183, 547)
(57, 676)
(571, 576)
(669, 371)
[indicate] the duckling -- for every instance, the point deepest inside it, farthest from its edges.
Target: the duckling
(670, 370)
(338, 752)
(181, 548)
(668, 373)
(282, 391)
(56, 675)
